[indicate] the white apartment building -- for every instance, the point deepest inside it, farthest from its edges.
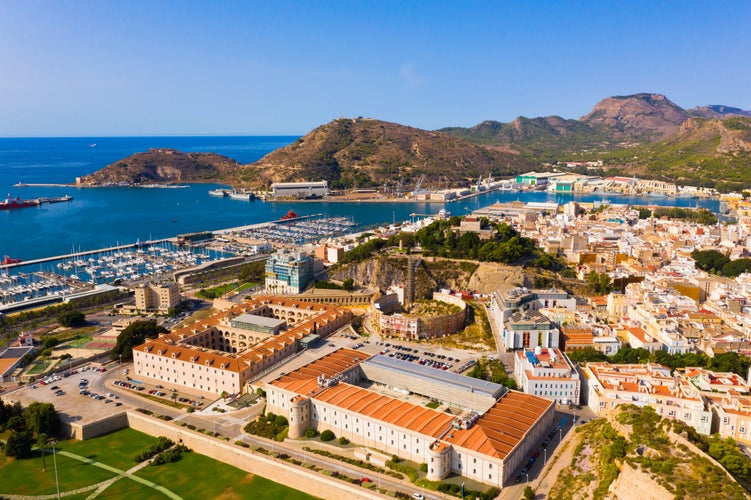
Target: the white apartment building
(547, 373)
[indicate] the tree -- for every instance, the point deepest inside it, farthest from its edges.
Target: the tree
(19, 444)
(529, 493)
(327, 435)
(42, 418)
(135, 334)
(348, 284)
(41, 443)
(72, 319)
(586, 355)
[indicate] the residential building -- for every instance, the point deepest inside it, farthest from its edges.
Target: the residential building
(547, 373)
(157, 297)
(609, 386)
(288, 272)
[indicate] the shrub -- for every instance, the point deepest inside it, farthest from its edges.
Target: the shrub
(311, 433)
(280, 421)
(327, 435)
(424, 467)
(343, 440)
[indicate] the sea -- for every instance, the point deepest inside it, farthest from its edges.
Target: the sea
(103, 217)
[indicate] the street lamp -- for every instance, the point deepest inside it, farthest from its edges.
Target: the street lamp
(54, 460)
(527, 474)
(560, 435)
(546, 456)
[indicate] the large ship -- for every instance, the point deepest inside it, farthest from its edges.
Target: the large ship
(11, 203)
(241, 195)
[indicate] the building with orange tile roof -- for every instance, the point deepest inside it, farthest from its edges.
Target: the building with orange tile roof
(212, 356)
(728, 397)
(360, 397)
(608, 386)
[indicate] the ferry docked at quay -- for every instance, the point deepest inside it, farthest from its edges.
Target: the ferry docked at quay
(11, 203)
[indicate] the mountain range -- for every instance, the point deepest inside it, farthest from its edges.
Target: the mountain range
(642, 134)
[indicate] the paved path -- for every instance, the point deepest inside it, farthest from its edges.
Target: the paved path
(99, 487)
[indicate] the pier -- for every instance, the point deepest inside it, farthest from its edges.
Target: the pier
(83, 253)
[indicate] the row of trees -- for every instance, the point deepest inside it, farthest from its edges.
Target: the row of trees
(725, 362)
(698, 215)
(716, 262)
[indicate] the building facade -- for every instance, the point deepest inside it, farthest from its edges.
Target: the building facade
(486, 445)
(288, 272)
(547, 373)
(158, 298)
(212, 356)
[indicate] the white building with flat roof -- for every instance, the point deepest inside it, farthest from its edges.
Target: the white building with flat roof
(547, 373)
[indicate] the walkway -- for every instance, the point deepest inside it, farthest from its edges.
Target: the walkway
(98, 487)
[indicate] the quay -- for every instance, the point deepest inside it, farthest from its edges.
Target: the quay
(82, 253)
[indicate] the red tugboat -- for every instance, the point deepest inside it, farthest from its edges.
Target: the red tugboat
(8, 260)
(11, 203)
(290, 215)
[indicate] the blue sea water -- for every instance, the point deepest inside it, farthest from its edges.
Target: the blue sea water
(101, 217)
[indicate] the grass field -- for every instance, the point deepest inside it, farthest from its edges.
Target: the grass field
(39, 366)
(27, 477)
(225, 482)
(195, 476)
(81, 341)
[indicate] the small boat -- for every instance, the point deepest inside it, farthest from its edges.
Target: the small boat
(9, 260)
(290, 215)
(241, 195)
(218, 192)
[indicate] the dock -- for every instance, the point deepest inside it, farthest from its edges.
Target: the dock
(85, 252)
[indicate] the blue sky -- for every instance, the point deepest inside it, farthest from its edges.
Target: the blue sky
(91, 68)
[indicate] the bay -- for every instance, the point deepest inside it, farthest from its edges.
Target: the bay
(101, 217)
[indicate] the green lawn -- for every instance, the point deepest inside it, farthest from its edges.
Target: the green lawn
(26, 477)
(81, 341)
(116, 449)
(188, 478)
(226, 482)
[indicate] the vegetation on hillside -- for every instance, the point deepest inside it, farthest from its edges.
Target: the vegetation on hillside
(640, 438)
(363, 152)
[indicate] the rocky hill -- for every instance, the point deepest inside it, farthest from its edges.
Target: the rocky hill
(165, 166)
(638, 117)
(614, 122)
(365, 152)
(717, 111)
(635, 454)
(714, 153)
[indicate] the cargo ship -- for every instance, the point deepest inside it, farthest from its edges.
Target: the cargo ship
(12, 203)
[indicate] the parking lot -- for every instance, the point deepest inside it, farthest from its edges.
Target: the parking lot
(78, 395)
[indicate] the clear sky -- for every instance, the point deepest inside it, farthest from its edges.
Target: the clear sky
(92, 68)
